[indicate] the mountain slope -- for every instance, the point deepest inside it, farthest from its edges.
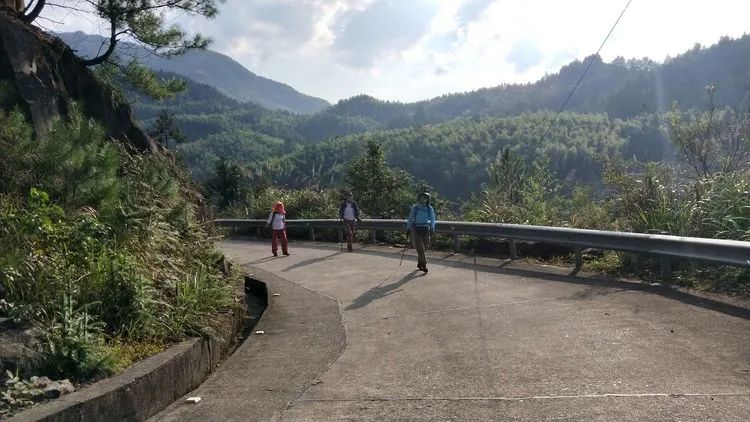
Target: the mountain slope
(212, 68)
(620, 108)
(621, 88)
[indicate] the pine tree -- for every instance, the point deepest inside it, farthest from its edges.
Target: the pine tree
(381, 190)
(227, 184)
(145, 23)
(165, 129)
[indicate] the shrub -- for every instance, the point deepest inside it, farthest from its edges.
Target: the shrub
(107, 246)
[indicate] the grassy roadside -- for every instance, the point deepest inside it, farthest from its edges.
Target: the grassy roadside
(105, 255)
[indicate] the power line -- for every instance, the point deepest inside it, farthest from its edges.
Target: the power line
(552, 123)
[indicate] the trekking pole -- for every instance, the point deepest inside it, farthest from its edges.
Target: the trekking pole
(408, 237)
(341, 238)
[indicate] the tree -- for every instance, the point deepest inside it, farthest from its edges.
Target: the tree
(382, 191)
(143, 22)
(420, 117)
(165, 130)
(713, 142)
(509, 175)
(227, 184)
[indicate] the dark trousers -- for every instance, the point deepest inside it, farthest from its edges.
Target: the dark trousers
(349, 229)
(279, 235)
(421, 241)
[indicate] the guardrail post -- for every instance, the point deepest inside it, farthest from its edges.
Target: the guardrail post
(579, 258)
(312, 235)
(513, 249)
(637, 263)
(257, 233)
(341, 235)
(455, 243)
(374, 237)
(666, 268)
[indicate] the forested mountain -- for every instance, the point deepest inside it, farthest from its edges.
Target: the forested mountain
(454, 156)
(202, 111)
(212, 68)
(620, 107)
(622, 89)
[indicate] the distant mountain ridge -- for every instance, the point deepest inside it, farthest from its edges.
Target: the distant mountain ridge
(622, 103)
(621, 88)
(212, 68)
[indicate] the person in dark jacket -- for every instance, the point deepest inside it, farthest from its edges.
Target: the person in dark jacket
(421, 224)
(349, 215)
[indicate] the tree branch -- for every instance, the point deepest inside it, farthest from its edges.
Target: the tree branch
(112, 43)
(31, 16)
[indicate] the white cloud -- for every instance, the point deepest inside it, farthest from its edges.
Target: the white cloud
(415, 49)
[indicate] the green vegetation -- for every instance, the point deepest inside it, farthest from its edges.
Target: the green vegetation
(145, 22)
(454, 156)
(575, 178)
(618, 97)
(102, 249)
(105, 252)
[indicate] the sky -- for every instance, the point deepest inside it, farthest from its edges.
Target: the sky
(408, 50)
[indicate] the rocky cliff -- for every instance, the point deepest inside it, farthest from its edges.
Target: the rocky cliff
(49, 80)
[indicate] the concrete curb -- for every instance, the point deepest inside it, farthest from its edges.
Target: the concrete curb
(148, 386)
(303, 335)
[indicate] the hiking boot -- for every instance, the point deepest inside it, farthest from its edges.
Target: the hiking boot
(424, 270)
(286, 253)
(275, 254)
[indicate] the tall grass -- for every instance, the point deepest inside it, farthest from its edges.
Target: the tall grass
(107, 246)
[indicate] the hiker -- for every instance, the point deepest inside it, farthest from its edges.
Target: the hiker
(277, 222)
(421, 224)
(349, 215)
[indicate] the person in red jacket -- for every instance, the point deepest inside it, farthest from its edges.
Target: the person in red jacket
(277, 223)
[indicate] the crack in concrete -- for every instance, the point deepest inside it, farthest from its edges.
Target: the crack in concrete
(522, 398)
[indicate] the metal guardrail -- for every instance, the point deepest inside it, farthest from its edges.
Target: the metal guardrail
(717, 251)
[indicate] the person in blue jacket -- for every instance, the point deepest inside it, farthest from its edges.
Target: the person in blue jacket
(421, 224)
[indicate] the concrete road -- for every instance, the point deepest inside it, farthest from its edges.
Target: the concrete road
(355, 336)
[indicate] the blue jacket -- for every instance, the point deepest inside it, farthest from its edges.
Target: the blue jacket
(421, 216)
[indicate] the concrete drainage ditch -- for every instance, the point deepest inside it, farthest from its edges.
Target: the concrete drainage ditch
(151, 385)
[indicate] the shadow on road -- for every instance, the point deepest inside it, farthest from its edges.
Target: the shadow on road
(260, 261)
(310, 262)
(379, 292)
(596, 281)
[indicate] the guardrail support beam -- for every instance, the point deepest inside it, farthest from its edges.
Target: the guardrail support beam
(341, 235)
(455, 243)
(513, 249)
(374, 236)
(312, 235)
(579, 258)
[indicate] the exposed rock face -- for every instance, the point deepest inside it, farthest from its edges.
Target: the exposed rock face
(49, 78)
(13, 5)
(17, 348)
